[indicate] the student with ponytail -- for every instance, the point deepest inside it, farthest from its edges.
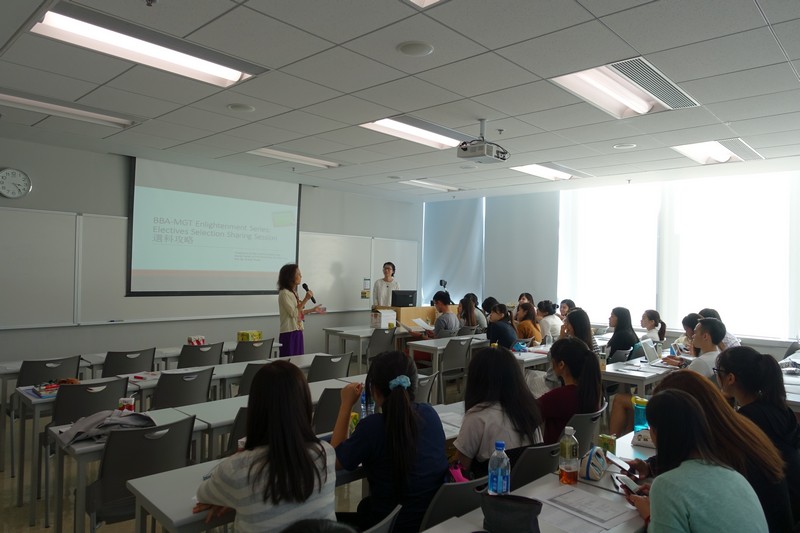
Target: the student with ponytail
(548, 319)
(501, 329)
(755, 381)
(402, 447)
(656, 328)
(579, 370)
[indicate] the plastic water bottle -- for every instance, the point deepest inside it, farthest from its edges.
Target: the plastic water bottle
(639, 413)
(568, 458)
(363, 404)
(500, 470)
(371, 406)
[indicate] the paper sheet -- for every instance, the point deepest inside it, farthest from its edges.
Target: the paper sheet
(453, 419)
(599, 511)
(424, 325)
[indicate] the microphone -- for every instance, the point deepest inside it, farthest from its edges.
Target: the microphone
(305, 288)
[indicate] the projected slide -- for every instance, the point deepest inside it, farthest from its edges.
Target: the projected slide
(200, 231)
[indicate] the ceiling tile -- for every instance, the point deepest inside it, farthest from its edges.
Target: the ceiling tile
(599, 132)
(357, 156)
(494, 25)
(788, 34)
(659, 25)
(539, 141)
(128, 103)
(218, 103)
(751, 82)
(201, 119)
(370, 180)
(266, 135)
(448, 46)
(400, 148)
(757, 126)
(36, 82)
(343, 70)
(607, 7)
(459, 115)
(695, 135)
(285, 90)
(162, 85)
(644, 144)
(205, 151)
(478, 75)
(15, 14)
(259, 38)
(302, 122)
(585, 46)
(757, 106)
(356, 136)
(788, 150)
(567, 116)
(536, 96)
(741, 51)
(780, 10)
(672, 120)
(130, 136)
(783, 138)
(19, 116)
(329, 20)
(231, 143)
(407, 94)
(552, 154)
(95, 131)
(612, 170)
(170, 130)
(667, 164)
(312, 146)
(350, 110)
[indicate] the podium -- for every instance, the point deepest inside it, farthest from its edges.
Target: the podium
(406, 315)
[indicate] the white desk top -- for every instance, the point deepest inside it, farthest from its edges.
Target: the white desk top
(215, 414)
(439, 344)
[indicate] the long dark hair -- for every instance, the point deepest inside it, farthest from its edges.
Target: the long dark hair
(737, 440)
(584, 367)
(503, 310)
(528, 296)
(468, 312)
(399, 416)
(653, 315)
(528, 313)
(623, 331)
(495, 376)
(488, 303)
(286, 277)
(756, 373)
(581, 326)
(547, 307)
(682, 429)
(279, 418)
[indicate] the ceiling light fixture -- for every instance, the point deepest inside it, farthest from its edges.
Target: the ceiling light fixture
(624, 146)
(707, 153)
(419, 131)
(84, 114)
(431, 185)
(294, 158)
(422, 4)
(96, 31)
(415, 48)
(610, 91)
(541, 171)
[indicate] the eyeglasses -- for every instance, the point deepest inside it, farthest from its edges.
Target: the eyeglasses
(718, 371)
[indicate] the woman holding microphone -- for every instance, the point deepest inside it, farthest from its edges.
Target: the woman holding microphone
(292, 310)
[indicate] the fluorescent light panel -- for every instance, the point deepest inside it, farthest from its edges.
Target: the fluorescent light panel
(612, 92)
(94, 37)
(423, 3)
(64, 111)
(707, 153)
(541, 171)
(294, 158)
(430, 185)
(418, 131)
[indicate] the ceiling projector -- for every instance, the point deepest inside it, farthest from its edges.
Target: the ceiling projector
(481, 151)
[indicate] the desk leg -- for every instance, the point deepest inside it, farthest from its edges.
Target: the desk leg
(80, 496)
(141, 518)
(23, 413)
(35, 451)
(59, 517)
(361, 353)
(327, 343)
(3, 402)
(213, 444)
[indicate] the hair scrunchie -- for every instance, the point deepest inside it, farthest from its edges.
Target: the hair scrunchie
(400, 381)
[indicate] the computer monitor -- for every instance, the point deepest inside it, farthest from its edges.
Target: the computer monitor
(404, 298)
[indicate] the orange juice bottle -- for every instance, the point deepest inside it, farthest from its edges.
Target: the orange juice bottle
(568, 458)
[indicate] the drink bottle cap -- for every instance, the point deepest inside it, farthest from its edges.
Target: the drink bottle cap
(569, 431)
(499, 445)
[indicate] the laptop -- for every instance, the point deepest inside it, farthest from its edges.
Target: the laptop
(651, 354)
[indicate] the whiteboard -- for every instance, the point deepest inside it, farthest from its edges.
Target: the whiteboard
(334, 267)
(37, 268)
(404, 256)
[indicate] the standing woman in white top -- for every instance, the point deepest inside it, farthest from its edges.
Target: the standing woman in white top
(548, 320)
(382, 290)
(656, 328)
(291, 309)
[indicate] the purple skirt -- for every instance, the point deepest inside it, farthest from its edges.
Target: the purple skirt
(291, 343)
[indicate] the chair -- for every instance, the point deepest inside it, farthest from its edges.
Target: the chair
(424, 387)
(382, 340)
(247, 378)
(134, 453)
(333, 367)
(466, 330)
(386, 525)
(33, 373)
(327, 411)
(447, 333)
(174, 389)
(619, 356)
(793, 348)
(453, 499)
(119, 363)
(252, 350)
(636, 352)
(453, 364)
(200, 355)
(586, 427)
(238, 431)
(535, 462)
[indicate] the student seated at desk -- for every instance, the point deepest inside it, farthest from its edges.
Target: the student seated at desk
(624, 337)
(548, 319)
(730, 340)
(500, 330)
(285, 472)
(466, 313)
(697, 489)
(498, 406)
(479, 316)
(578, 368)
(577, 324)
(656, 329)
(401, 448)
(737, 442)
(528, 324)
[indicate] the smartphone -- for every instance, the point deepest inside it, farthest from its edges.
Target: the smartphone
(623, 466)
(628, 482)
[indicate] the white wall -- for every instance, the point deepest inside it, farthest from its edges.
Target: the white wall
(86, 182)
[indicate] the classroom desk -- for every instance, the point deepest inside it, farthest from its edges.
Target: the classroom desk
(531, 359)
(87, 451)
(639, 375)
(334, 331)
(436, 347)
(792, 385)
(451, 415)
(359, 334)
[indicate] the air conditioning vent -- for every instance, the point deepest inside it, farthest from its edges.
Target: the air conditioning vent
(645, 75)
(741, 149)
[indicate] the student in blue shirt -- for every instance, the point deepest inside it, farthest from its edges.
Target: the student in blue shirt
(401, 447)
(500, 329)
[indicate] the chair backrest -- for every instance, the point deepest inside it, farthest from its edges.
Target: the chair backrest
(619, 356)
(424, 387)
(239, 430)
(174, 389)
(466, 330)
(76, 401)
(455, 354)
(793, 348)
(333, 367)
(326, 411)
(386, 525)
(453, 499)
(447, 333)
(247, 378)
(535, 462)
(200, 355)
(382, 340)
(526, 342)
(133, 453)
(587, 426)
(43, 370)
(118, 363)
(252, 350)
(636, 352)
